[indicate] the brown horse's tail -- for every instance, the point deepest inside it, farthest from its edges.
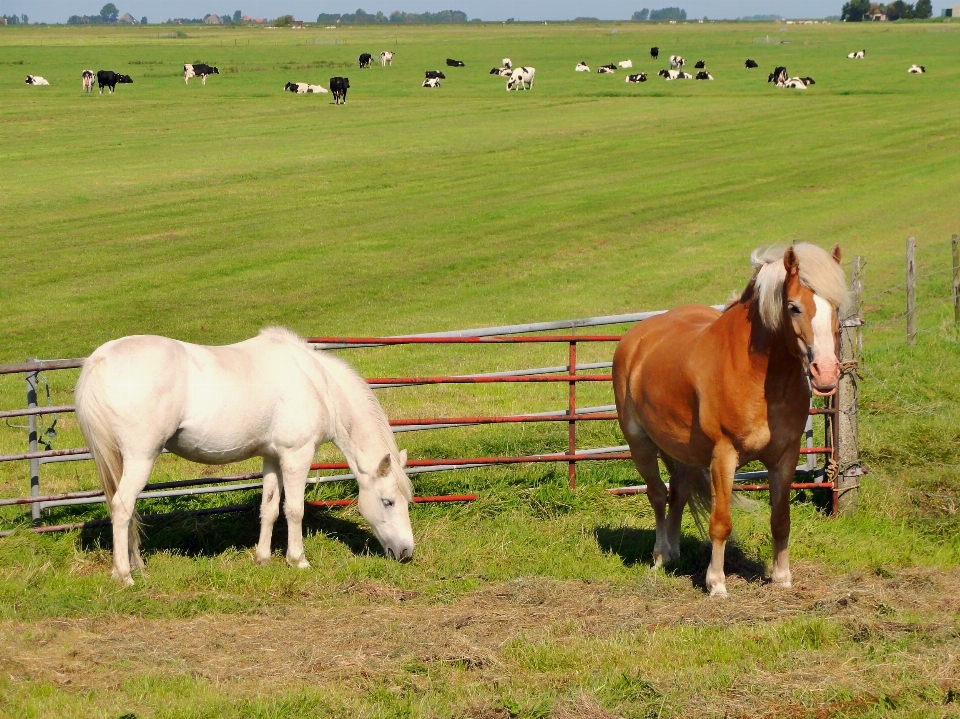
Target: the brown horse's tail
(697, 479)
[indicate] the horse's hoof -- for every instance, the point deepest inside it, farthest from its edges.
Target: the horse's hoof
(719, 591)
(125, 579)
(658, 561)
(261, 560)
(300, 563)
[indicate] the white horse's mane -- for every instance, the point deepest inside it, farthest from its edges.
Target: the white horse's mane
(818, 271)
(360, 389)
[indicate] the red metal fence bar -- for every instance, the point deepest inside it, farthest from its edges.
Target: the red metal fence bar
(373, 341)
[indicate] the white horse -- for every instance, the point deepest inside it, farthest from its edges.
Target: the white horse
(271, 397)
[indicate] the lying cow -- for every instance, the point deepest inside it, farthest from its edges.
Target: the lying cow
(522, 76)
(625, 64)
(109, 79)
(36, 80)
(431, 82)
(917, 70)
(654, 52)
(87, 77)
(302, 88)
(501, 71)
(676, 62)
(198, 70)
(639, 77)
(386, 58)
(455, 63)
(750, 64)
(858, 55)
(339, 87)
(365, 59)
(704, 75)
(778, 76)
(582, 67)
(675, 75)
(434, 74)
(607, 69)
(794, 83)
(700, 65)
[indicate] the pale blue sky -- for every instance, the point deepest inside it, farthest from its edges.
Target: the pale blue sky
(156, 10)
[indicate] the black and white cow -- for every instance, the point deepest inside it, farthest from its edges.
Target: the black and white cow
(675, 75)
(87, 76)
(676, 62)
(434, 74)
(36, 80)
(654, 52)
(365, 59)
(794, 83)
(858, 55)
(109, 79)
(198, 70)
(302, 88)
(386, 58)
(607, 69)
(639, 77)
(507, 63)
(917, 70)
(750, 64)
(455, 63)
(704, 75)
(582, 67)
(522, 76)
(778, 76)
(339, 87)
(700, 65)
(808, 81)
(431, 82)
(501, 71)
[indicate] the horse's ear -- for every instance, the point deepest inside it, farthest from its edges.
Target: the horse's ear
(836, 254)
(790, 261)
(384, 469)
(403, 458)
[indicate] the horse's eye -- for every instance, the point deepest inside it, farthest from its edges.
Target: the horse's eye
(387, 503)
(795, 309)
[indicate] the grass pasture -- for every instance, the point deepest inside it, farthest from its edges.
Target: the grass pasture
(206, 213)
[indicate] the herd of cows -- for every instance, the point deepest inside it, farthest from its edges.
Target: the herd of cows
(518, 78)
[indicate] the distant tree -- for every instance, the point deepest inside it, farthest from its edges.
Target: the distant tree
(283, 21)
(668, 13)
(855, 11)
(109, 12)
(641, 15)
(143, 20)
(923, 9)
(237, 16)
(899, 10)
(25, 19)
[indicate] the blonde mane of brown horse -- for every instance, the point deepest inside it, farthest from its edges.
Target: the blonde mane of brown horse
(709, 391)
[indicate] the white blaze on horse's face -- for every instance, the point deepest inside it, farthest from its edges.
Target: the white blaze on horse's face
(815, 323)
(386, 508)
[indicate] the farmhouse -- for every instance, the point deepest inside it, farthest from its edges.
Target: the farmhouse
(212, 20)
(951, 11)
(127, 19)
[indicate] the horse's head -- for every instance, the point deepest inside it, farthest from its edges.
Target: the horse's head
(812, 320)
(385, 495)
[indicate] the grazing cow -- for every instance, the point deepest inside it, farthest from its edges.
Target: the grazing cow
(858, 55)
(605, 69)
(917, 70)
(109, 79)
(779, 75)
(36, 80)
(431, 82)
(339, 87)
(87, 77)
(654, 52)
(700, 65)
(625, 64)
(365, 59)
(704, 75)
(639, 77)
(507, 63)
(386, 58)
(198, 70)
(501, 71)
(302, 88)
(676, 62)
(675, 75)
(750, 64)
(455, 63)
(582, 67)
(430, 74)
(522, 76)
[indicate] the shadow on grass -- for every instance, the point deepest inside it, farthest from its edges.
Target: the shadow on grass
(635, 546)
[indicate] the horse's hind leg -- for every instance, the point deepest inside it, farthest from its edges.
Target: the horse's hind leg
(644, 453)
(682, 478)
(126, 540)
(269, 509)
(294, 467)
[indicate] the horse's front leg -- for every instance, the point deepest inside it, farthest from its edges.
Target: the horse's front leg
(722, 468)
(269, 509)
(294, 466)
(781, 477)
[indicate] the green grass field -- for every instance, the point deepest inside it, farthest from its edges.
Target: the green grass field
(206, 213)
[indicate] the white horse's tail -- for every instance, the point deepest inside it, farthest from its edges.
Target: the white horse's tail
(94, 417)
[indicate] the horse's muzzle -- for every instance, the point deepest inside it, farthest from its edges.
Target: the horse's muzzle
(404, 555)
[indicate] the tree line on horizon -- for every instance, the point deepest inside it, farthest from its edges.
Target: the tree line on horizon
(860, 10)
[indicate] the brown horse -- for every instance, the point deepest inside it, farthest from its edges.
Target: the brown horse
(708, 389)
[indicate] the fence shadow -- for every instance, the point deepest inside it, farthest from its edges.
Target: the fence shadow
(635, 546)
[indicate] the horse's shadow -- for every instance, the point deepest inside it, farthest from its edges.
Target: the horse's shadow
(213, 534)
(635, 546)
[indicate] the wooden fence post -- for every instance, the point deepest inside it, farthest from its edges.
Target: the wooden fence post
(956, 279)
(911, 292)
(847, 451)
